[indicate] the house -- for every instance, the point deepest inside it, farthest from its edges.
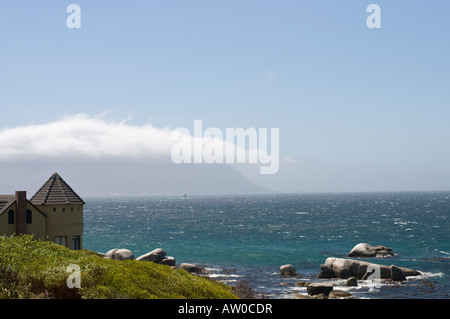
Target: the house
(54, 213)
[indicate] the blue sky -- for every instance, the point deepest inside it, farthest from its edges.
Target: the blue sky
(357, 108)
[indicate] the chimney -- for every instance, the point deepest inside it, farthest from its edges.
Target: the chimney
(21, 212)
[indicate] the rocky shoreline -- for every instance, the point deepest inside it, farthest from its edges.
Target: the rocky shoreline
(353, 270)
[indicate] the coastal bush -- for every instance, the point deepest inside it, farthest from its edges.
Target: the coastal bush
(32, 268)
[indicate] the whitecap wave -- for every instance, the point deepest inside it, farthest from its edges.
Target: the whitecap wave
(427, 275)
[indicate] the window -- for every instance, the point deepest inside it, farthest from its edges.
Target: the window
(61, 240)
(54, 209)
(28, 218)
(76, 242)
(63, 209)
(11, 217)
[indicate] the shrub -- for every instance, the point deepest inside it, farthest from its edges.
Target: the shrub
(31, 268)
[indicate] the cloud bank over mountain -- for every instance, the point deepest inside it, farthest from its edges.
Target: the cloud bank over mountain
(83, 137)
(105, 157)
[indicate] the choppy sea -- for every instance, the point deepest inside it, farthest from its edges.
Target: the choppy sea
(246, 238)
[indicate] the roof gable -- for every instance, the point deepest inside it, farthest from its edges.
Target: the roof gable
(56, 191)
(6, 201)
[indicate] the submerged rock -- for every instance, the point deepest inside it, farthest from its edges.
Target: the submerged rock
(367, 250)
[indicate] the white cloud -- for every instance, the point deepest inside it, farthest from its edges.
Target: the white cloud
(84, 137)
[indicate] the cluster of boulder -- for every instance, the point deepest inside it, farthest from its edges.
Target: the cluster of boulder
(352, 270)
(157, 256)
(346, 268)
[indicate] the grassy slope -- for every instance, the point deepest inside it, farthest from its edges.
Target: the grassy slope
(32, 268)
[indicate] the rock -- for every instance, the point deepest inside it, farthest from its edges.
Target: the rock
(351, 281)
(169, 261)
(156, 255)
(410, 272)
(302, 283)
(366, 250)
(397, 274)
(346, 268)
(339, 294)
(326, 272)
(287, 271)
(302, 296)
(191, 268)
(120, 254)
(318, 288)
(383, 251)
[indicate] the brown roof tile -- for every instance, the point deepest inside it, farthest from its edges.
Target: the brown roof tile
(56, 191)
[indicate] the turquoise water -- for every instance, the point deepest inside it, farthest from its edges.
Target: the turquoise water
(250, 237)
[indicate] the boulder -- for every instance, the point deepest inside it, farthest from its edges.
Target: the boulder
(367, 250)
(302, 283)
(120, 254)
(339, 294)
(169, 261)
(191, 268)
(410, 272)
(397, 274)
(318, 288)
(326, 271)
(346, 268)
(351, 282)
(156, 255)
(287, 271)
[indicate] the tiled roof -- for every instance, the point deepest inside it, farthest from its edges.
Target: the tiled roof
(56, 191)
(6, 201)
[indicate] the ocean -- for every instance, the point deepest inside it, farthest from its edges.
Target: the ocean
(246, 238)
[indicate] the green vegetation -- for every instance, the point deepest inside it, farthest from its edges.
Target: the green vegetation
(31, 268)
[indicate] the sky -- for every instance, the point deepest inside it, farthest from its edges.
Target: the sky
(357, 108)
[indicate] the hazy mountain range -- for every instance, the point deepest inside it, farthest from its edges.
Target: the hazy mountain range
(120, 178)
